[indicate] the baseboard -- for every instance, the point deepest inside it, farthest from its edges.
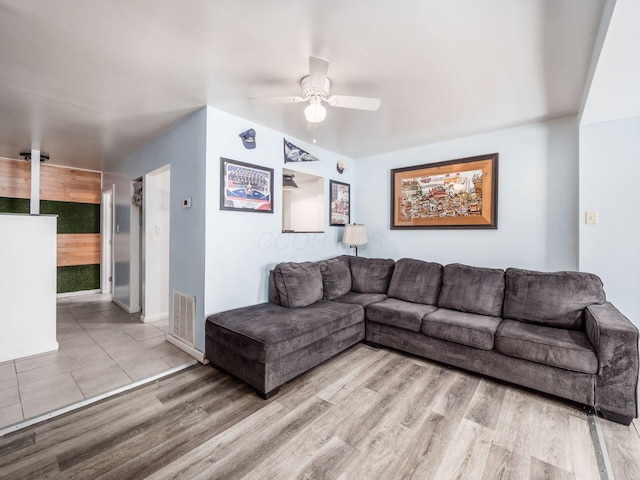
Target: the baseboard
(121, 305)
(154, 318)
(29, 351)
(197, 354)
(76, 294)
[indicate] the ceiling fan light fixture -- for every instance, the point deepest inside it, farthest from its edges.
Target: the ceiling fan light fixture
(315, 112)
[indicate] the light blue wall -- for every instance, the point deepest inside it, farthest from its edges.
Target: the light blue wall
(243, 246)
(609, 176)
(537, 201)
(183, 148)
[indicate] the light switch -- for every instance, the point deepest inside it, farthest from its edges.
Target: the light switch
(591, 217)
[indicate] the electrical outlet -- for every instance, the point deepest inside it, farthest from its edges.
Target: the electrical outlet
(591, 217)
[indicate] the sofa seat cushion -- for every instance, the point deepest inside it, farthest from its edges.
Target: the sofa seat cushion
(552, 299)
(298, 284)
(472, 289)
(266, 332)
(557, 347)
(370, 275)
(464, 328)
(336, 277)
(363, 299)
(398, 313)
(416, 281)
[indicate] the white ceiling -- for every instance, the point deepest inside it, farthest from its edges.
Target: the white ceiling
(89, 81)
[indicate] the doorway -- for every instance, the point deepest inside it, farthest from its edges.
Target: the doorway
(106, 278)
(155, 245)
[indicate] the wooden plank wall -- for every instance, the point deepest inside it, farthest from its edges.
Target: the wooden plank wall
(15, 178)
(78, 249)
(58, 184)
(69, 185)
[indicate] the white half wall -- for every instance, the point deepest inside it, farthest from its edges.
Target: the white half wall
(537, 201)
(609, 167)
(27, 285)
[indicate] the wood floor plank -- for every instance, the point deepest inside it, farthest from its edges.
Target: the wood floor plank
(331, 377)
(623, 446)
(503, 464)
(486, 403)
(585, 465)
(432, 439)
(467, 460)
(552, 436)
(381, 455)
(540, 470)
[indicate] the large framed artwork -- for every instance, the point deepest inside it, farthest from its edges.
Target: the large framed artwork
(245, 187)
(460, 193)
(339, 203)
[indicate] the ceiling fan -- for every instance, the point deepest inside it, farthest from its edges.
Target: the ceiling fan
(315, 90)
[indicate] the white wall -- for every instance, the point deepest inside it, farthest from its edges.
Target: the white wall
(537, 201)
(609, 172)
(243, 246)
(183, 148)
(27, 285)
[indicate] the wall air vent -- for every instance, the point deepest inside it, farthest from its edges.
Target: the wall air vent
(184, 311)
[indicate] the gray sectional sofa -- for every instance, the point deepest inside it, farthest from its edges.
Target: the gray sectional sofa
(553, 332)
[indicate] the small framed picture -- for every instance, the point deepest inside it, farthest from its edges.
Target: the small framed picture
(245, 187)
(339, 203)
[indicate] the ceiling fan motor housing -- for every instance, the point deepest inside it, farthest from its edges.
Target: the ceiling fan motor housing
(308, 91)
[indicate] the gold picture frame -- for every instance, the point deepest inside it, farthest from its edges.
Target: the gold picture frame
(461, 193)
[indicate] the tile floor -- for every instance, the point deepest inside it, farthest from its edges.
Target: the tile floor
(101, 348)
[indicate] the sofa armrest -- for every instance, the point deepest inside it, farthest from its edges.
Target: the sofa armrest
(615, 340)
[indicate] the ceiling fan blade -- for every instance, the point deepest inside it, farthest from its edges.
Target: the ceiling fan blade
(359, 103)
(272, 100)
(318, 68)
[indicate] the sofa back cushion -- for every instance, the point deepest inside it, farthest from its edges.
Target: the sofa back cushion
(472, 289)
(298, 284)
(416, 281)
(555, 299)
(336, 277)
(370, 275)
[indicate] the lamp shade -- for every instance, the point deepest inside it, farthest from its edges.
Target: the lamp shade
(315, 112)
(354, 234)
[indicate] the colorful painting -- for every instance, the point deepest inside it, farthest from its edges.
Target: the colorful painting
(453, 194)
(296, 154)
(245, 187)
(339, 203)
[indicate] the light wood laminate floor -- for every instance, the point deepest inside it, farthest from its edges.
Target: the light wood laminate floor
(366, 414)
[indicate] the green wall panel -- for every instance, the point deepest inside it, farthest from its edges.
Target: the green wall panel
(78, 278)
(14, 205)
(74, 217)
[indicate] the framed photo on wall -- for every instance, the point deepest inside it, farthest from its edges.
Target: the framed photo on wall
(339, 203)
(460, 193)
(245, 187)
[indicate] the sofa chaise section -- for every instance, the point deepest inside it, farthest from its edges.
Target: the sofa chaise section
(266, 345)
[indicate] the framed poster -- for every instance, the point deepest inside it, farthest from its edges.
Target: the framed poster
(339, 203)
(460, 193)
(245, 187)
